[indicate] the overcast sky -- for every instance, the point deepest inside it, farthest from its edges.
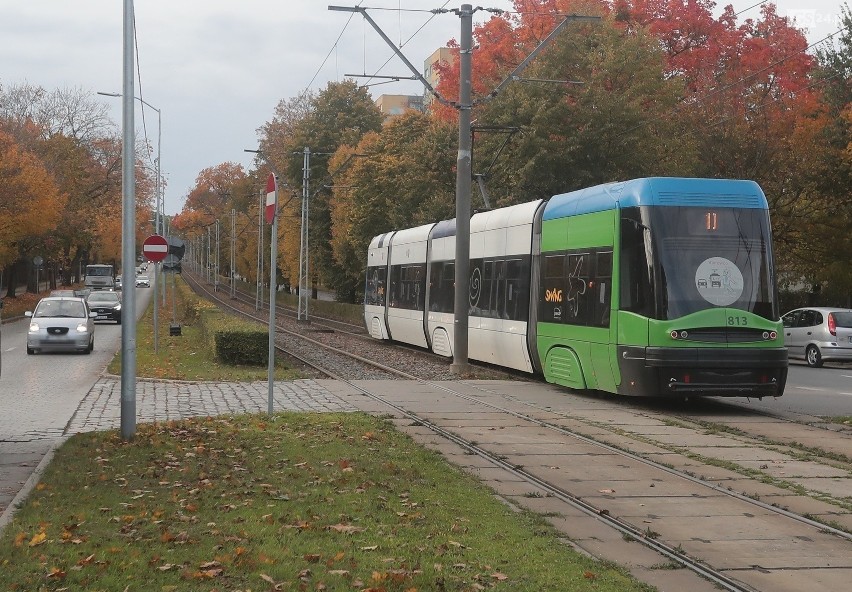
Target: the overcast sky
(217, 68)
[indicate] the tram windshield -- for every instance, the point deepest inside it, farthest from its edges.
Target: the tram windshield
(694, 258)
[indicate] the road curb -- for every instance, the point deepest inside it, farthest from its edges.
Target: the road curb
(29, 484)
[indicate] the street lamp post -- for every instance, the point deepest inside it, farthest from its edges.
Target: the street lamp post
(157, 228)
(157, 276)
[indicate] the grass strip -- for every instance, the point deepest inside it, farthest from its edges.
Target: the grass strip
(187, 356)
(291, 502)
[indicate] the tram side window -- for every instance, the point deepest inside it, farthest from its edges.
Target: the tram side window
(481, 277)
(374, 294)
(406, 290)
(517, 290)
(578, 296)
(498, 290)
(442, 290)
(636, 293)
(577, 288)
(602, 289)
(553, 288)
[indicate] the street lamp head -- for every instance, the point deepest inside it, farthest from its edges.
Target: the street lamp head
(109, 94)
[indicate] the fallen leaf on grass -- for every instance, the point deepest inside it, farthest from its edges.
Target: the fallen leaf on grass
(339, 572)
(38, 539)
(345, 528)
(86, 560)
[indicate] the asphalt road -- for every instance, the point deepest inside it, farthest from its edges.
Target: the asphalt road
(40, 393)
(824, 392)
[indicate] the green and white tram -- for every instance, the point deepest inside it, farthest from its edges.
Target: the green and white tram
(650, 287)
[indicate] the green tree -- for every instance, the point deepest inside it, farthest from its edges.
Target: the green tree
(613, 124)
(402, 176)
(338, 115)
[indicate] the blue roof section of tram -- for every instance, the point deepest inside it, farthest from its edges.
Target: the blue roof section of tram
(657, 191)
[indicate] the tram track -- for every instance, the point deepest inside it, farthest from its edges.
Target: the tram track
(788, 441)
(530, 416)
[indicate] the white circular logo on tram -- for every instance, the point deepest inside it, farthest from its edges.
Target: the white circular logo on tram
(719, 281)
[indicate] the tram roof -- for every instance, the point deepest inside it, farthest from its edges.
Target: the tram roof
(657, 191)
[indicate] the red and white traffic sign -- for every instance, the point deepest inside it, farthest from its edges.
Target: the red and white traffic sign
(155, 248)
(271, 201)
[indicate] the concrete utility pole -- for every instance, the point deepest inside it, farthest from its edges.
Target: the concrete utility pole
(128, 237)
(463, 171)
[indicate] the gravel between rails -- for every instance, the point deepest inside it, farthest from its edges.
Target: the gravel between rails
(417, 362)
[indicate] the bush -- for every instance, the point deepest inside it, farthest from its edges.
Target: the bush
(243, 346)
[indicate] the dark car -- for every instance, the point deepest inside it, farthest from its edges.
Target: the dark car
(107, 305)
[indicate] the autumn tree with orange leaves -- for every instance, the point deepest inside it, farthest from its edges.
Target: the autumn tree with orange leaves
(72, 138)
(30, 202)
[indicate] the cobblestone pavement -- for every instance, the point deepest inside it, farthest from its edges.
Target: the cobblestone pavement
(100, 409)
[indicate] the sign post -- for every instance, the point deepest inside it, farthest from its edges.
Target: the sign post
(155, 248)
(271, 218)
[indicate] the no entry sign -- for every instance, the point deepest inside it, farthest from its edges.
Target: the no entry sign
(271, 198)
(155, 248)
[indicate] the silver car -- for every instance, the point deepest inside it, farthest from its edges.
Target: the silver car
(819, 334)
(61, 324)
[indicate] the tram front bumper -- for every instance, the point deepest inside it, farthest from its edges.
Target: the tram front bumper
(726, 372)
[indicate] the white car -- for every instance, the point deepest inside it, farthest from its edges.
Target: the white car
(142, 281)
(819, 334)
(61, 324)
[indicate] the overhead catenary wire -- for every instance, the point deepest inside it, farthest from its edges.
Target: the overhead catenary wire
(139, 79)
(333, 48)
(407, 41)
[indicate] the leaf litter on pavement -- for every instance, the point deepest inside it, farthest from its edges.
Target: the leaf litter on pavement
(295, 501)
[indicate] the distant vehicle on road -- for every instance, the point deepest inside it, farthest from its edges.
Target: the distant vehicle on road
(819, 334)
(61, 323)
(71, 293)
(100, 277)
(107, 305)
(142, 281)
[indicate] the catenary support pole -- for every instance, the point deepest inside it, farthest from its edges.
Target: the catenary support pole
(304, 258)
(463, 183)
